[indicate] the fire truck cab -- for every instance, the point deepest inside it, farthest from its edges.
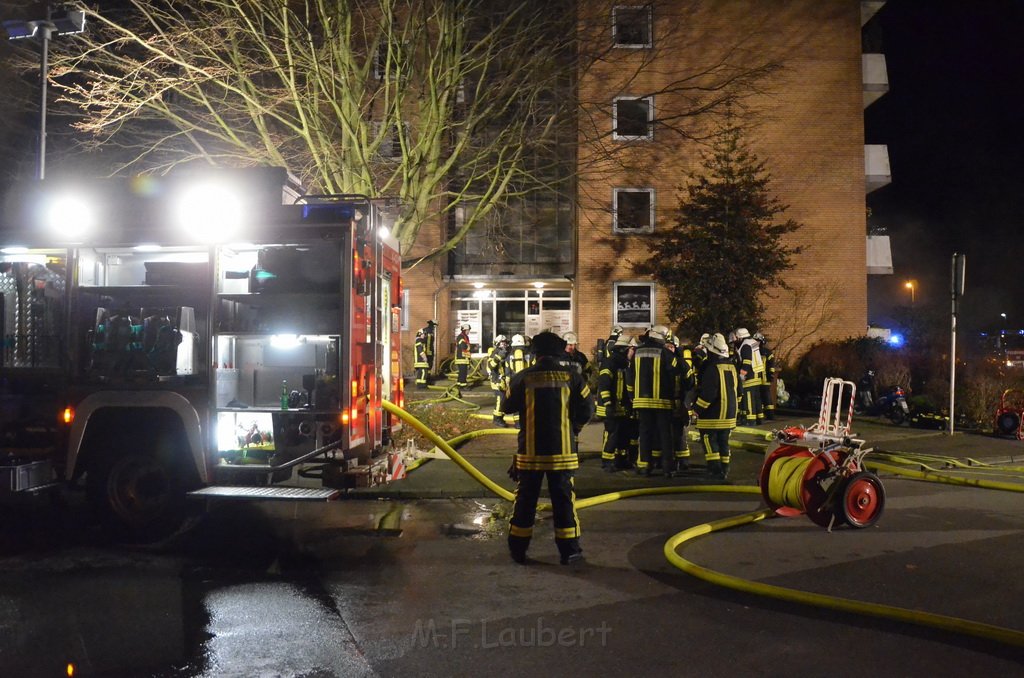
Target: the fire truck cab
(195, 334)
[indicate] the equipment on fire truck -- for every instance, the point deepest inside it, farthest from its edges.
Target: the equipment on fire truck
(819, 471)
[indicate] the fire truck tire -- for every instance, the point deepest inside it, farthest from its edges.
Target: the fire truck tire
(138, 496)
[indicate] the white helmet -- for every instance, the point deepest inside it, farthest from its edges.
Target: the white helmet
(623, 341)
(659, 333)
(716, 344)
(517, 340)
(465, 327)
(617, 330)
(500, 338)
(742, 333)
(571, 338)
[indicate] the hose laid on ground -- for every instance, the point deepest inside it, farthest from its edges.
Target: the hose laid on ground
(917, 617)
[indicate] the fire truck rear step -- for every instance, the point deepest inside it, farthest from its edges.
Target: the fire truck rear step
(269, 493)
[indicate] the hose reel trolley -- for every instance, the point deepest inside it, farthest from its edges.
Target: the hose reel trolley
(819, 471)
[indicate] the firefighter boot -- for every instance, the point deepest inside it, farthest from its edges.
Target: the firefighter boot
(715, 470)
(500, 422)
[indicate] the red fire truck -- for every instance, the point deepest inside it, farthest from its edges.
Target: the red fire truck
(195, 334)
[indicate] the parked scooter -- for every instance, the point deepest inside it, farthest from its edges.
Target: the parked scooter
(892, 404)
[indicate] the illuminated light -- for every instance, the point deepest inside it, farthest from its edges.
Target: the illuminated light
(355, 413)
(71, 669)
(344, 417)
(70, 217)
(355, 388)
(14, 250)
(538, 285)
(286, 341)
(383, 232)
(482, 294)
(147, 248)
(210, 212)
(478, 285)
(68, 415)
(896, 339)
(39, 259)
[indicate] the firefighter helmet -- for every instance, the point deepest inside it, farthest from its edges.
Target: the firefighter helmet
(616, 330)
(548, 343)
(464, 327)
(571, 338)
(517, 340)
(500, 338)
(742, 333)
(759, 336)
(622, 342)
(716, 344)
(659, 333)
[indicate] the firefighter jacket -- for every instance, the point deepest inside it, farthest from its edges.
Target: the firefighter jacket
(497, 370)
(575, 361)
(428, 337)
(651, 376)
(751, 365)
(716, 394)
(685, 381)
(519, 358)
(420, 352)
(553, 405)
(769, 362)
(462, 349)
(612, 397)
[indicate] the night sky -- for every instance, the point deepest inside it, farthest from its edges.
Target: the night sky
(953, 123)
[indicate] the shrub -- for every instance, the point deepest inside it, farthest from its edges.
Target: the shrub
(447, 421)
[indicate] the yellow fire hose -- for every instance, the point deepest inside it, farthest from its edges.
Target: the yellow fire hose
(916, 617)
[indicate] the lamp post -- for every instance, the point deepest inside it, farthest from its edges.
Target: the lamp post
(57, 23)
(912, 286)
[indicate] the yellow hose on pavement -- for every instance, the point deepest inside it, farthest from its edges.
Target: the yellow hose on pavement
(917, 617)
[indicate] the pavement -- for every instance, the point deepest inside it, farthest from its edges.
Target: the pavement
(439, 478)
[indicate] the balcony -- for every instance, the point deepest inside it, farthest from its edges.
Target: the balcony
(875, 77)
(868, 9)
(879, 255)
(876, 167)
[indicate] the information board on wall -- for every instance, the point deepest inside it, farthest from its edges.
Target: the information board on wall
(558, 321)
(471, 318)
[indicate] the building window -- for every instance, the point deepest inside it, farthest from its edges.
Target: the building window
(633, 210)
(633, 118)
(390, 143)
(633, 304)
(632, 27)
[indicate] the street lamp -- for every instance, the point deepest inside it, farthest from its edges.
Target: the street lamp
(912, 286)
(61, 22)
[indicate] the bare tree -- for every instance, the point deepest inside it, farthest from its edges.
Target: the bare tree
(440, 103)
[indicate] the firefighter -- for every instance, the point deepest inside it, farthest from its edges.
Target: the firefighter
(420, 363)
(518, 359)
(497, 371)
(768, 356)
(614, 406)
(429, 336)
(751, 373)
(462, 354)
(682, 399)
(716, 406)
(609, 343)
(575, 355)
(553, 403)
(650, 383)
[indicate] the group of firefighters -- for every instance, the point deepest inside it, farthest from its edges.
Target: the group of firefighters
(649, 389)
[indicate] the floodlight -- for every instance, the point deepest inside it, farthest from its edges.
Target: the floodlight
(69, 217)
(210, 212)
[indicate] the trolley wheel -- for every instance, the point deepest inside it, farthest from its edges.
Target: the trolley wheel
(863, 499)
(779, 452)
(817, 495)
(1008, 423)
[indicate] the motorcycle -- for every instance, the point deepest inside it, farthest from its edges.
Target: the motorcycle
(892, 404)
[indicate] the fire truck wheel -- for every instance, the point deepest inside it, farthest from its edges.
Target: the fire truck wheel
(138, 496)
(863, 499)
